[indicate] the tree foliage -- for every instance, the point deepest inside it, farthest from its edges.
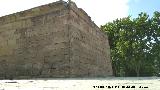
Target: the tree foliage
(135, 45)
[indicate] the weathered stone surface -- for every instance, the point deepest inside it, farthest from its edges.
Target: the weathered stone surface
(54, 40)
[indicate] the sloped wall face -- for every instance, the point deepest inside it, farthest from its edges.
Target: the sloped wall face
(35, 47)
(90, 52)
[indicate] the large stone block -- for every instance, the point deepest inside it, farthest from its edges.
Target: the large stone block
(54, 40)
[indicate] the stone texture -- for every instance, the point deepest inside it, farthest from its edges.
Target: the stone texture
(54, 40)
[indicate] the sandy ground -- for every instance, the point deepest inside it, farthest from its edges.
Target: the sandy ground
(110, 83)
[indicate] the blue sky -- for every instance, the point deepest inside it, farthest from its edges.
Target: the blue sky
(100, 11)
(148, 6)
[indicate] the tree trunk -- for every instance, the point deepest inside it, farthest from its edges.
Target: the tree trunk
(137, 73)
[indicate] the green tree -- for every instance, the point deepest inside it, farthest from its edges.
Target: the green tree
(155, 40)
(135, 45)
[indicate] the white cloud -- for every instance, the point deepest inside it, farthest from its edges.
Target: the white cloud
(101, 11)
(12, 6)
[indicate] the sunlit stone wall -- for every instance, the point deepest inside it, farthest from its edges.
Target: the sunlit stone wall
(54, 40)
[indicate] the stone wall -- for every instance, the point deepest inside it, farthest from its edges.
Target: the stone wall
(90, 52)
(54, 40)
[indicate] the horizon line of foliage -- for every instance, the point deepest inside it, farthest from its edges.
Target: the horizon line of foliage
(135, 45)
